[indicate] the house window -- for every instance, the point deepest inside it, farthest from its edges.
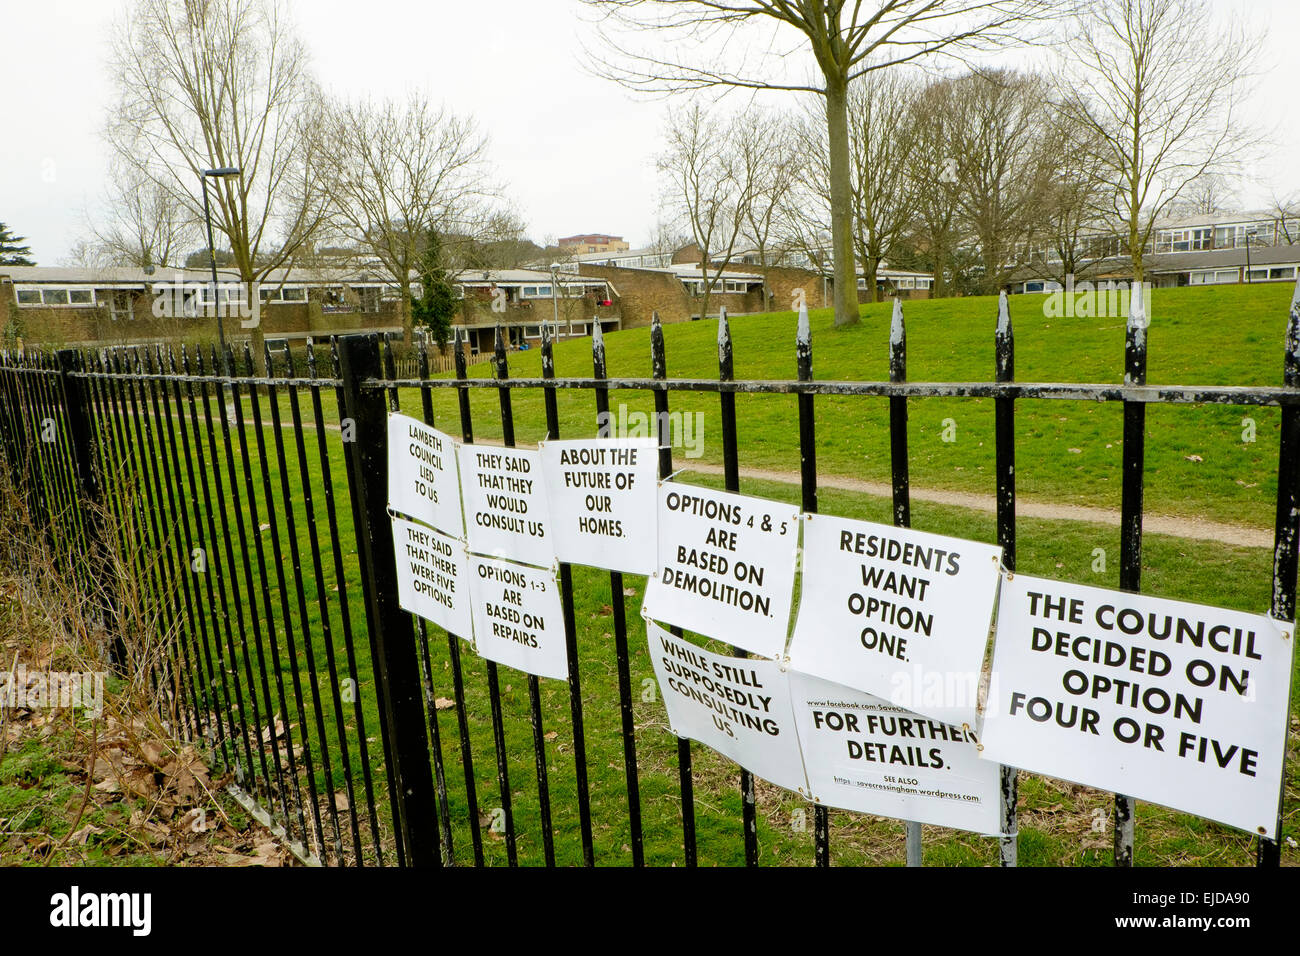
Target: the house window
(81, 296)
(1285, 272)
(294, 295)
(1033, 287)
(55, 296)
(29, 296)
(906, 283)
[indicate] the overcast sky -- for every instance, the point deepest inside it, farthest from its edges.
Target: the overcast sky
(576, 151)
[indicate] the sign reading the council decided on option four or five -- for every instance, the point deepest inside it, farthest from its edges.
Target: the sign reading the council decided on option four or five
(726, 566)
(1180, 704)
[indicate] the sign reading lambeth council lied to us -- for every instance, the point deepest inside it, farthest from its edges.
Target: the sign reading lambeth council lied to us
(505, 504)
(900, 614)
(431, 577)
(1180, 704)
(422, 480)
(737, 706)
(517, 617)
(863, 754)
(602, 500)
(726, 566)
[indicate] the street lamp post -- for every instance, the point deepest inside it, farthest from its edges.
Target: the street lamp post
(224, 172)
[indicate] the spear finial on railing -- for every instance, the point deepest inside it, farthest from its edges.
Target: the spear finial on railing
(597, 349)
(1292, 368)
(725, 365)
(658, 357)
(1003, 340)
(499, 352)
(1135, 345)
(897, 344)
(548, 352)
(803, 344)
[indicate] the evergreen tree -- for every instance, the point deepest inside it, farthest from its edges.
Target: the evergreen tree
(11, 252)
(436, 303)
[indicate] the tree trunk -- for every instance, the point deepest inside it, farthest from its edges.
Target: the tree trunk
(837, 128)
(870, 270)
(404, 310)
(706, 288)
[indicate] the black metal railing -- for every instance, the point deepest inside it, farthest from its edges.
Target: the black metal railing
(245, 520)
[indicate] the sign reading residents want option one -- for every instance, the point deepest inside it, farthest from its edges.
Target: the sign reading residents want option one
(431, 577)
(517, 617)
(602, 501)
(422, 479)
(861, 753)
(740, 707)
(1179, 704)
(901, 614)
(726, 566)
(505, 504)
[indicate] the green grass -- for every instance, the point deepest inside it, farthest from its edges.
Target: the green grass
(1223, 335)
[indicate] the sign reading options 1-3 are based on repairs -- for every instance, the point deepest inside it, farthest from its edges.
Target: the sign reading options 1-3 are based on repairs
(601, 494)
(900, 614)
(517, 616)
(726, 566)
(1179, 704)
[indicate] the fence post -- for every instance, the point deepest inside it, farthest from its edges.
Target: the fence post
(1005, 438)
(81, 435)
(392, 639)
(1130, 532)
(1286, 539)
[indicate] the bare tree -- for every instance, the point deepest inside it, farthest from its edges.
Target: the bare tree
(1004, 164)
(143, 224)
(1286, 214)
(767, 153)
(708, 185)
(215, 85)
(1206, 195)
(843, 39)
(392, 171)
(936, 228)
(1156, 84)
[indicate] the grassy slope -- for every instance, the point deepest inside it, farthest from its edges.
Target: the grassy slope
(1229, 335)
(949, 340)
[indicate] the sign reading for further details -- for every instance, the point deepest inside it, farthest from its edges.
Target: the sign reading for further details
(1180, 704)
(431, 576)
(422, 479)
(737, 706)
(505, 504)
(726, 566)
(602, 500)
(900, 614)
(517, 617)
(864, 754)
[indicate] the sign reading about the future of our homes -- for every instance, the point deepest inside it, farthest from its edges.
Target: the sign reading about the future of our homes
(422, 478)
(601, 494)
(900, 614)
(431, 577)
(1180, 704)
(517, 616)
(862, 753)
(738, 706)
(726, 566)
(506, 513)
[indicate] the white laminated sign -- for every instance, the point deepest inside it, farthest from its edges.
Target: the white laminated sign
(422, 479)
(738, 706)
(1180, 704)
(726, 566)
(506, 514)
(900, 614)
(862, 753)
(431, 576)
(517, 617)
(601, 494)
